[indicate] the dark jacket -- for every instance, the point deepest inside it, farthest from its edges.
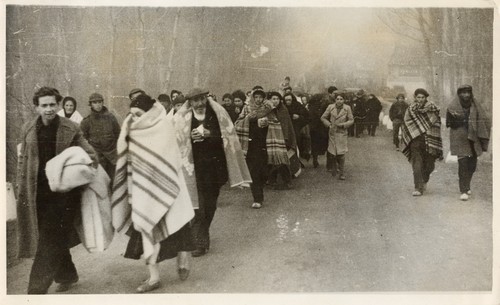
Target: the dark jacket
(298, 109)
(68, 134)
(101, 129)
(373, 108)
(231, 110)
(397, 111)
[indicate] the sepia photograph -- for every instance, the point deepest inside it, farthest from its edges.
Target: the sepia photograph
(261, 152)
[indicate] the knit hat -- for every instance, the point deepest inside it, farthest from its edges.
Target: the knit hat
(143, 101)
(421, 91)
(95, 97)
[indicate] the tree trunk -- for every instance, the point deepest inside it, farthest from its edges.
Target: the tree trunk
(172, 50)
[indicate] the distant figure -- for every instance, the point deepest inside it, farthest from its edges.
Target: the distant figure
(373, 109)
(165, 102)
(101, 129)
(397, 114)
(469, 135)
(45, 218)
(174, 93)
(284, 84)
(69, 110)
(329, 100)
(359, 112)
(300, 118)
(422, 143)
(319, 133)
(177, 104)
(338, 117)
(239, 101)
(227, 103)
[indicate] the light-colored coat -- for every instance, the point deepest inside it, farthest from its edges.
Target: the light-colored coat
(338, 121)
(68, 134)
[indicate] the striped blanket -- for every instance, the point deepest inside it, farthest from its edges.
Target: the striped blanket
(275, 140)
(149, 189)
(237, 169)
(425, 121)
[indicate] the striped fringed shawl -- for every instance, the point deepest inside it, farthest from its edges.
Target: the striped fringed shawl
(237, 169)
(275, 140)
(423, 121)
(148, 180)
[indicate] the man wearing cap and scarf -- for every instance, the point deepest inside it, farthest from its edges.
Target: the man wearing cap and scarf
(469, 135)
(101, 129)
(421, 135)
(211, 156)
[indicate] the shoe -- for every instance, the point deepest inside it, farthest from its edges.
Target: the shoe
(147, 286)
(397, 149)
(199, 252)
(315, 163)
(183, 273)
(416, 193)
(341, 177)
(62, 287)
(469, 192)
(256, 205)
(464, 197)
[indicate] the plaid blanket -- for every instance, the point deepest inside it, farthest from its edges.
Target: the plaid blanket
(275, 140)
(149, 189)
(422, 120)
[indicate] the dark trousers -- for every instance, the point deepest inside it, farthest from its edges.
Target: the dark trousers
(466, 168)
(257, 165)
(108, 167)
(203, 216)
(338, 162)
(395, 133)
(372, 128)
(329, 161)
(53, 259)
(283, 170)
(359, 127)
(421, 161)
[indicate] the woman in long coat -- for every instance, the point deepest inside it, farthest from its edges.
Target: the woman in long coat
(300, 118)
(338, 117)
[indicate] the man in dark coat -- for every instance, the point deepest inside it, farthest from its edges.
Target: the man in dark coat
(209, 164)
(319, 133)
(101, 129)
(469, 135)
(45, 218)
(359, 112)
(397, 114)
(373, 108)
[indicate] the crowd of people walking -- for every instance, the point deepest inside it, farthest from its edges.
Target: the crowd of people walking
(170, 157)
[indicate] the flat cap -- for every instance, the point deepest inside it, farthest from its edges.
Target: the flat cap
(95, 97)
(196, 92)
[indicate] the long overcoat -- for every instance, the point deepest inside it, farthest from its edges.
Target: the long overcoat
(339, 121)
(68, 134)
